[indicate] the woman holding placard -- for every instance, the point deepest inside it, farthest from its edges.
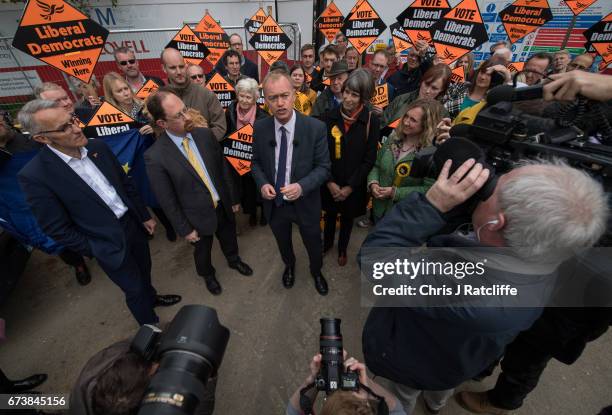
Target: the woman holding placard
(118, 92)
(304, 96)
(240, 113)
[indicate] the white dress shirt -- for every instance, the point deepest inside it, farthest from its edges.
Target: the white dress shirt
(93, 177)
(289, 132)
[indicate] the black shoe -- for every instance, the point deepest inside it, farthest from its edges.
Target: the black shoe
(320, 284)
(242, 268)
(82, 274)
(213, 285)
(289, 276)
(27, 383)
(170, 235)
(166, 300)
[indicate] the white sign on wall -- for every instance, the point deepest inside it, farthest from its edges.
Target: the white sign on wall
(15, 83)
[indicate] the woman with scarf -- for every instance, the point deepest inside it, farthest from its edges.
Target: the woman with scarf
(242, 112)
(352, 136)
(390, 181)
(304, 96)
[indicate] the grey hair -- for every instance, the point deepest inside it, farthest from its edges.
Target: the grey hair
(552, 211)
(248, 85)
(27, 112)
(361, 82)
(46, 86)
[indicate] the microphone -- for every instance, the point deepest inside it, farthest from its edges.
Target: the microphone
(508, 93)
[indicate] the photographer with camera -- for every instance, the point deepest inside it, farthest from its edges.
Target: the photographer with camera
(171, 372)
(346, 402)
(540, 210)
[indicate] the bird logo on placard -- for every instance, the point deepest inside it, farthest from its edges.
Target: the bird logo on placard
(448, 55)
(581, 6)
(421, 37)
(49, 9)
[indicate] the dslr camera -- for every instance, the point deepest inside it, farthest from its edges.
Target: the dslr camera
(189, 353)
(332, 375)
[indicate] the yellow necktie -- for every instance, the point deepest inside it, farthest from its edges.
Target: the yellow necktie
(193, 160)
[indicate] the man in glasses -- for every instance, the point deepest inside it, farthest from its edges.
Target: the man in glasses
(83, 199)
(247, 68)
(193, 184)
(54, 92)
(196, 74)
(128, 66)
(536, 67)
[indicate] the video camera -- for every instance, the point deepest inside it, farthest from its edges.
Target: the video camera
(501, 136)
(189, 352)
(333, 376)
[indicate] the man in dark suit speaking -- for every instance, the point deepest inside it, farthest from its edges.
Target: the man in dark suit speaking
(290, 163)
(193, 185)
(83, 199)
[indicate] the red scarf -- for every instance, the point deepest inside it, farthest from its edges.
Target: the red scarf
(245, 117)
(349, 120)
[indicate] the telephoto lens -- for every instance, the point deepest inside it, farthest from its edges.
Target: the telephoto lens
(190, 351)
(330, 345)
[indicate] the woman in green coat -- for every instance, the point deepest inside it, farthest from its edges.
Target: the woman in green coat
(389, 181)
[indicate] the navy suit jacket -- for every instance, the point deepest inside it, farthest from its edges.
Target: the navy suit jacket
(310, 163)
(71, 213)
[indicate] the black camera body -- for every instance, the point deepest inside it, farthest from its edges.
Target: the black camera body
(332, 375)
(189, 352)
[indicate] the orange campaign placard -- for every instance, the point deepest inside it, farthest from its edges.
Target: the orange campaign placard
(578, 6)
(189, 45)
(330, 21)
(213, 36)
(224, 90)
(58, 34)
(599, 38)
(395, 123)
(270, 41)
(524, 16)
(459, 31)
(401, 41)
(238, 149)
(420, 16)
(458, 75)
(381, 96)
(253, 24)
(363, 26)
(515, 67)
(147, 89)
(108, 120)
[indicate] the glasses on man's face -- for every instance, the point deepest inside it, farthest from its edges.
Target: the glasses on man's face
(179, 115)
(130, 61)
(64, 128)
(197, 76)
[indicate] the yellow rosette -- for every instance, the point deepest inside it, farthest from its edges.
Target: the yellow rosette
(401, 170)
(337, 134)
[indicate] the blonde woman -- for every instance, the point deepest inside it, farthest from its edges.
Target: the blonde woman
(118, 92)
(389, 181)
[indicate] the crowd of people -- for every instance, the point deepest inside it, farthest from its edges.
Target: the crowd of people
(320, 144)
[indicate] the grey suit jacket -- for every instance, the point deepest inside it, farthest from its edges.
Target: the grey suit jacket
(179, 190)
(310, 164)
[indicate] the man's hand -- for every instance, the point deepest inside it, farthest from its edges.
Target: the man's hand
(443, 130)
(449, 192)
(292, 191)
(334, 189)
(150, 226)
(353, 364)
(236, 208)
(345, 192)
(502, 70)
(268, 192)
(421, 47)
(193, 237)
(566, 86)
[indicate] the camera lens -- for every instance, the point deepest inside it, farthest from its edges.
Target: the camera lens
(330, 346)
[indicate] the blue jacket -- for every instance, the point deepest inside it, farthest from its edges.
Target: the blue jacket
(71, 213)
(434, 348)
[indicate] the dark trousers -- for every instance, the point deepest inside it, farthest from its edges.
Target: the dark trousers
(134, 274)
(522, 366)
(281, 222)
(72, 258)
(226, 234)
(159, 212)
(329, 232)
